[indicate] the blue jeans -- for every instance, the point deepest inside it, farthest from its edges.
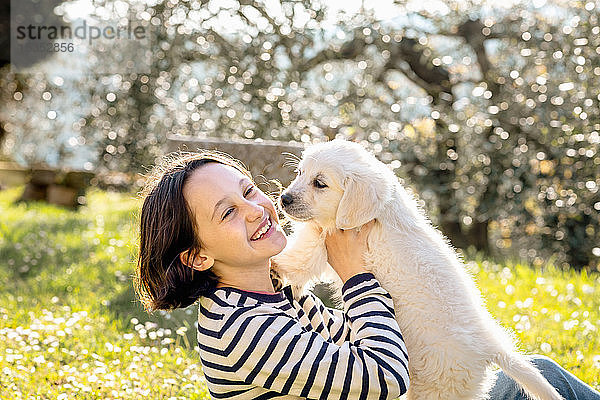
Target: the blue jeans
(566, 383)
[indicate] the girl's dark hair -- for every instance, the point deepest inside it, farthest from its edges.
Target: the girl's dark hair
(167, 228)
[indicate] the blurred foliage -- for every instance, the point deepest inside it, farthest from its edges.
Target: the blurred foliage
(42, 8)
(490, 112)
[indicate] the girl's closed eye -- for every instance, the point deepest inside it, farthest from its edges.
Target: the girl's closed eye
(227, 213)
(249, 191)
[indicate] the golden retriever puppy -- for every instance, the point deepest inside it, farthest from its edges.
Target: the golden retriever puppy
(451, 338)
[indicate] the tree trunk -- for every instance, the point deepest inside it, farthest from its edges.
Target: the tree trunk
(452, 230)
(2, 133)
(449, 214)
(478, 237)
(575, 234)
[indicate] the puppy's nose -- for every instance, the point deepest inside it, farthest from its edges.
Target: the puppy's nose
(286, 199)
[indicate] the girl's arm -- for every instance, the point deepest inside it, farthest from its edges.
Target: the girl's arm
(271, 350)
(331, 323)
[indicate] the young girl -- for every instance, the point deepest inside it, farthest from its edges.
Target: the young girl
(208, 233)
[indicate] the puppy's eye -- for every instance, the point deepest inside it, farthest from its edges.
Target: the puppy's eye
(319, 184)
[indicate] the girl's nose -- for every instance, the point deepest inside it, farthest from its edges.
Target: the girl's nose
(255, 211)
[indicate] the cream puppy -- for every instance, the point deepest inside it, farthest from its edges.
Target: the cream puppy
(451, 338)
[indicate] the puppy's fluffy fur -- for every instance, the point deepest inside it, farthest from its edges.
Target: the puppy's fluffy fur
(450, 336)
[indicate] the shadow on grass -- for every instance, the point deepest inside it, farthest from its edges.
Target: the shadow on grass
(124, 307)
(30, 244)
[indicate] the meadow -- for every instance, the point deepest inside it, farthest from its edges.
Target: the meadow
(70, 326)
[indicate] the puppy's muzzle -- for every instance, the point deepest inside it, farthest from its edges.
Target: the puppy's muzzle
(294, 206)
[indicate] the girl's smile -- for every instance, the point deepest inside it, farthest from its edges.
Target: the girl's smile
(264, 231)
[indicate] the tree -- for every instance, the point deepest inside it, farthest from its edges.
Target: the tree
(45, 8)
(478, 161)
(491, 114)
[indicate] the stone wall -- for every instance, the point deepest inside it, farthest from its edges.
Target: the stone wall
(12, 174)
(265, 159)
(61, 187)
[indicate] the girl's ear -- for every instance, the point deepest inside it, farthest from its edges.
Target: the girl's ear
(195, 260)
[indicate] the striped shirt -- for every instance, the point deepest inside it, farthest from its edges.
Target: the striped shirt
(272, 346)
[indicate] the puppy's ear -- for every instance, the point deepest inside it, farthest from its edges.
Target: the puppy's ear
(363, 199)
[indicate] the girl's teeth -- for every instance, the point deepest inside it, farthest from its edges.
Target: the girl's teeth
(263, 230)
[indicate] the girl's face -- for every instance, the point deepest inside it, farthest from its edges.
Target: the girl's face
(237, 223)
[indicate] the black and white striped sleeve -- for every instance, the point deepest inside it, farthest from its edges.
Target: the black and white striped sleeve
(324, 319)
(275, 352)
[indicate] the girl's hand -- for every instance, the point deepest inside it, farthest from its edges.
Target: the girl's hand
(345, 249)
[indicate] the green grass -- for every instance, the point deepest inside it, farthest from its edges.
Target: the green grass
(552, 312)
(70, 325)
